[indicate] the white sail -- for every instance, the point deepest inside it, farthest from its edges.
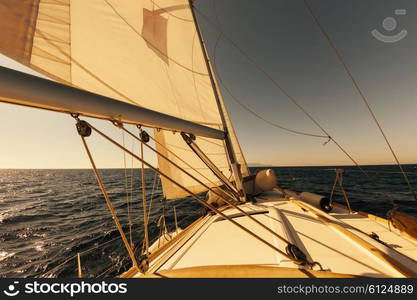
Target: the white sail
(143, 52)
(235, 142)
(174, 147)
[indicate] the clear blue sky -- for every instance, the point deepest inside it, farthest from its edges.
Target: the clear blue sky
(281, 36)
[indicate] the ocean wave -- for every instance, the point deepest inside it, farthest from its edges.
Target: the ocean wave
(48, 216)
(5, 255)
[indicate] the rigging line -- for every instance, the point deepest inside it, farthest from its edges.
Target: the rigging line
(359, 90)
(195, 197)
(182, 160)
(131, 180)
(245, 107)
(174, 164)
(145, 215)
(263, 71)
(339, 178)
(211, 166)
(127, 193)
(391, 199)
(110, 205)
(155, 179)
(206, 204)
(232, 158)
(268, 76)
(333, 190)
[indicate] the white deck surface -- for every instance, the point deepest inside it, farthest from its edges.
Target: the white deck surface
(219, 242)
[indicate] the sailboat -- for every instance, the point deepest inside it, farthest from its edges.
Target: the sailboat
(144, 62)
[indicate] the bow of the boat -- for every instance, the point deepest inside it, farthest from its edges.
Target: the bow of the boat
(252, 242)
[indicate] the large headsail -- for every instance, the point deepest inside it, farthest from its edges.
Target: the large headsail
(143, 52)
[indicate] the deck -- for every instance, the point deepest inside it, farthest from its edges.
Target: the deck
(339, 241)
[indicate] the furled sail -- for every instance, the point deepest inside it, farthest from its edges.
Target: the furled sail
(143, 52)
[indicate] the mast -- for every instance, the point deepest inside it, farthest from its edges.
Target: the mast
(229, 147)
(28, 90)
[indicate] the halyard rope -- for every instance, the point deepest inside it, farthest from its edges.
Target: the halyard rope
(203, 202)
(108, 202)
(214, 191)
(361, 94)
(145, 214)
(127, 193)
(292, 99)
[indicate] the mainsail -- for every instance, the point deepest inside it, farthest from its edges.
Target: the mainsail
(142, 52)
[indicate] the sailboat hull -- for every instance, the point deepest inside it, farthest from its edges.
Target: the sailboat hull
(344, 244)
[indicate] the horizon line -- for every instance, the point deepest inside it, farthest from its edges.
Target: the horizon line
(249, 165)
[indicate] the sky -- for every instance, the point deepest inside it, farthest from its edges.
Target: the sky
(282, 37)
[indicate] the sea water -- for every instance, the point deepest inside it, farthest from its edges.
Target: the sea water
(47, 217)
